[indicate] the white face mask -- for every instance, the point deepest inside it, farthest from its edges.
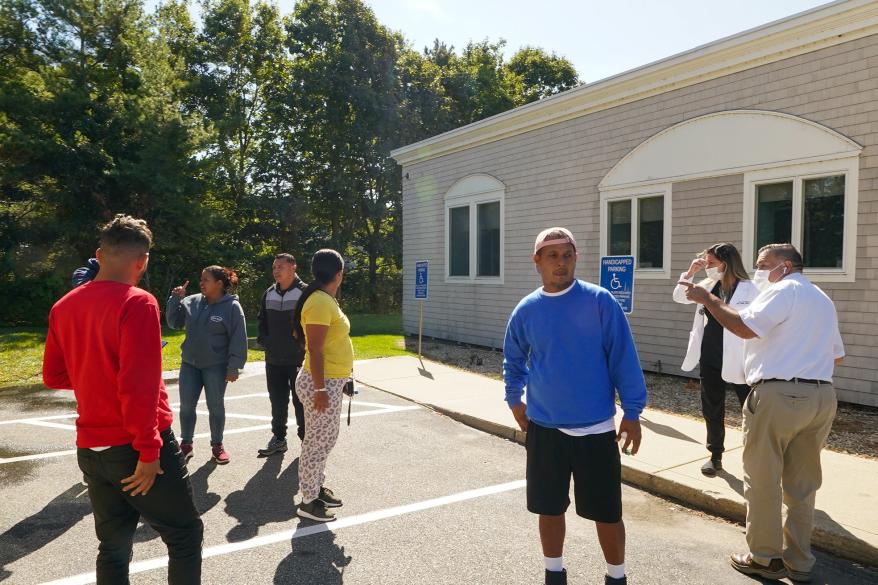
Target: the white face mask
(760, 277)
(714, 273)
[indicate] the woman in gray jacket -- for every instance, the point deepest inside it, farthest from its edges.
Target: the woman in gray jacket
(214, 351)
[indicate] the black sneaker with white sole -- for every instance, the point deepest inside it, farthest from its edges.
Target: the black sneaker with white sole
(275, 445)
(328, 498)
(315, 510)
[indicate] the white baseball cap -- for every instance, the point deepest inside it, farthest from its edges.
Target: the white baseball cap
(553, 236)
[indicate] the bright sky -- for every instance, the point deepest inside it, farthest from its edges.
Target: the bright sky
(601, 38)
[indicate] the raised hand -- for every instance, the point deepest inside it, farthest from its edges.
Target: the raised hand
(180, 291)
(697, 265)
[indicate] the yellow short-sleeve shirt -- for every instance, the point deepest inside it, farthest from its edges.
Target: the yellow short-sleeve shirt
(338, 352)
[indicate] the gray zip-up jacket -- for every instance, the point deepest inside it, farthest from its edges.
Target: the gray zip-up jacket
(215, 333)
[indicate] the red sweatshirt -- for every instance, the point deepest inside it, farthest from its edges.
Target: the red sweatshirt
(104, 342)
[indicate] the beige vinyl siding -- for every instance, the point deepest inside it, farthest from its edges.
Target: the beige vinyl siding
(551, 176)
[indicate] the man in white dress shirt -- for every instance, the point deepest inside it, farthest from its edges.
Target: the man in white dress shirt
(793, 344)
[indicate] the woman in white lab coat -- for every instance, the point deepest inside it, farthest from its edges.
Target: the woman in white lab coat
(718, 353)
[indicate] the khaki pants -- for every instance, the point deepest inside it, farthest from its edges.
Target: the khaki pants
(785, 428)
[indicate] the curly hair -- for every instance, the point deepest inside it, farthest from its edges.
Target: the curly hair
(127, 233)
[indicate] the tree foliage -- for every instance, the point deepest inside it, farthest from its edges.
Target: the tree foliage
(236, 136)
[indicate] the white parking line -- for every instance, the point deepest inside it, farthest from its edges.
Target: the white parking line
(386, 409)
(26, 420)
(174, 405)
(52, 425)
(286, 535)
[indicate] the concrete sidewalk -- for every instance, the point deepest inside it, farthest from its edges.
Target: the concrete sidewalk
(670, 457)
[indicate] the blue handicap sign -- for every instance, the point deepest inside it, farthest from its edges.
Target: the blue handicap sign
(421, 279)
(617, 276)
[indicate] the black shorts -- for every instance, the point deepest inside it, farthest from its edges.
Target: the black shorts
(596, 467)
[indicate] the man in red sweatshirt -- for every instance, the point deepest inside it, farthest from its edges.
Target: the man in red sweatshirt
(104, 342)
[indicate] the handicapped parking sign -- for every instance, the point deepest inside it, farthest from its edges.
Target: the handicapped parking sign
(422, 279)
(617, 276)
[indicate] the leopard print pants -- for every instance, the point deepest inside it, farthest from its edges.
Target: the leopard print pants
(321, 431)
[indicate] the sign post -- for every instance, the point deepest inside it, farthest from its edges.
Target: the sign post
(617, 276)
(422, 280)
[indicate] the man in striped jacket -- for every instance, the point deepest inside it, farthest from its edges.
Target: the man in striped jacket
(283, 355)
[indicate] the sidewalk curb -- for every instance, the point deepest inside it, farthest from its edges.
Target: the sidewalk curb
(833, 542)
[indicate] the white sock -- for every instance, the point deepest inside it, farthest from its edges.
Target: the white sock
(616, 571)
(304, 501)
(554, 564)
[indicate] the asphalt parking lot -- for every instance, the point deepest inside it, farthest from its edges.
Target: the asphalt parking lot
(427, 500)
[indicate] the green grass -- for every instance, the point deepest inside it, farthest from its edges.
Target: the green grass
(377, 336)
(21, 348)
(21, 355)
(171, 358)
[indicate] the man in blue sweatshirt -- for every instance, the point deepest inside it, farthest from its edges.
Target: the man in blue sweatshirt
(569, 343)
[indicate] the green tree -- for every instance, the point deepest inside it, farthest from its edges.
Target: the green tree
(535, 74)
(345, 93)
(90, 128)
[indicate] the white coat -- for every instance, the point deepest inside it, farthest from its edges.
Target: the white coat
(733, 346)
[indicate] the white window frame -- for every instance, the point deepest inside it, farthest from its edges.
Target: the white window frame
(473, 200)
(634, 194)
(797, 174)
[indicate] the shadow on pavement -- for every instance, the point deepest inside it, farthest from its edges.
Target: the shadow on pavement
(734, 483)
(267, 497)
(204, 500)
(666, 430)
(314, 559)
(38, 530)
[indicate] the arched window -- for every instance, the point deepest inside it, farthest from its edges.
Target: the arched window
(800, 186)
(474, 239)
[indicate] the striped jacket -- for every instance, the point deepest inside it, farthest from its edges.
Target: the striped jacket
(276, 325)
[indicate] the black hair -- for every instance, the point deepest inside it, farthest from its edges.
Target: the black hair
(126, 233)
(226, 275)
(325, 266)
(784, 252)
(288, 257)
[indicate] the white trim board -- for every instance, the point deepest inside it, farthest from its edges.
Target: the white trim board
(818, 28)
(725, 143)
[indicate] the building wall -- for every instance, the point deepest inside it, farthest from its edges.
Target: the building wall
(551, 177)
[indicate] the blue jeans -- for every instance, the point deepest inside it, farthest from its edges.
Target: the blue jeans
(192, 380)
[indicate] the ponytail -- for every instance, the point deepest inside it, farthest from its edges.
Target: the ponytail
(325, 265)
(228, 277)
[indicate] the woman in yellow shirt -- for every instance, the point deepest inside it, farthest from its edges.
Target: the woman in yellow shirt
(324, 330)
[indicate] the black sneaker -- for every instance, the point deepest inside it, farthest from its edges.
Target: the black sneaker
(711, 467)
(315, 510)
(328, 498)
(556, 577)
(275, 445)
(620, 581)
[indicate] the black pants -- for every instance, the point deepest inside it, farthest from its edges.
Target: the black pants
(281, 384)
(713, 406)
(168, 507)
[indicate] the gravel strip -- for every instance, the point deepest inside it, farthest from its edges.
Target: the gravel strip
(855, 430)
